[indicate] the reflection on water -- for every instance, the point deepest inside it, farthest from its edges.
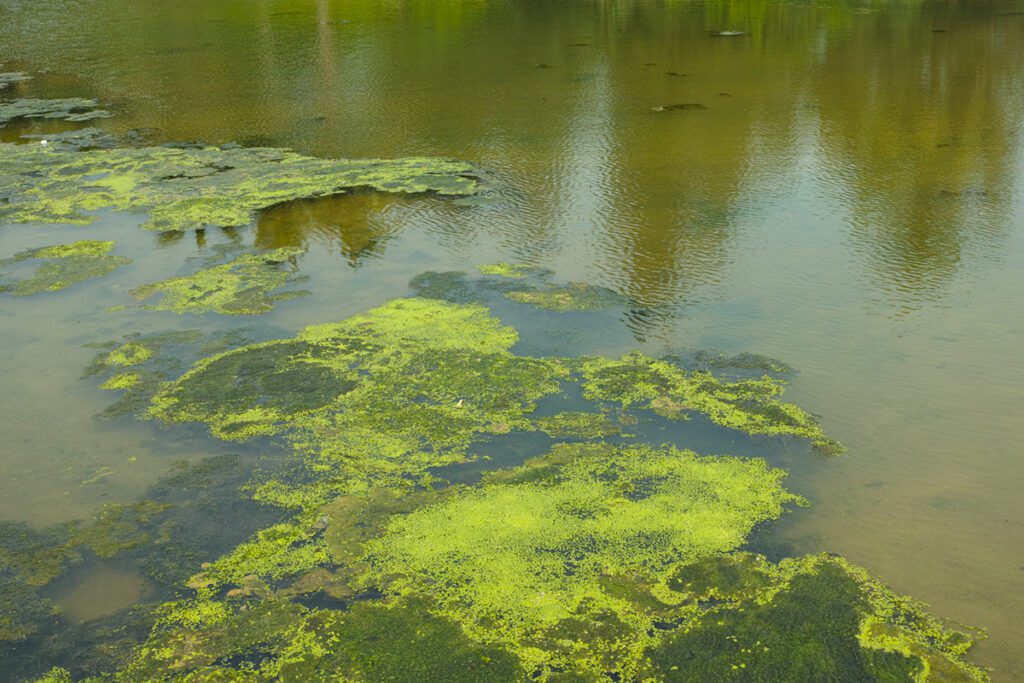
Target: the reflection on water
(846, 197)
(356, 225)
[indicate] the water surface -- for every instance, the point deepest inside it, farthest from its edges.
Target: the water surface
(848, 196)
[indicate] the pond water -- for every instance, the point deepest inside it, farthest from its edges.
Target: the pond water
(843, 190)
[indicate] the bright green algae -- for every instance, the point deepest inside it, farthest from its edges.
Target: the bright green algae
(184, 189)
(597, 561)
(242, 286)
(64, 265)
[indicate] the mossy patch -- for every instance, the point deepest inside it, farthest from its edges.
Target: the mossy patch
(190, 188)
(243, 286)
(574, 296)
(519, 563)
(64, 265)
(70, 109)
(744, 361)
(510, 270)
(383, 395)
(811, 618)
(575, 425)
(751, 405)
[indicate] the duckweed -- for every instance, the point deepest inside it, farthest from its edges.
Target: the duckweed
(242, 286)
(64, 265)
(190, 188)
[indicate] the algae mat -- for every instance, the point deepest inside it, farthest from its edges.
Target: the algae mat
(601, 558)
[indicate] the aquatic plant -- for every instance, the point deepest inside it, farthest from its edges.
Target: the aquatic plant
(811, 618)
(386, 394)
(70, 109)
(64, 265)
(519, 561)
(189, 188)
(671, 391)
(242, 286)
(593, 562)
(510, 270)
(743, 361)
(574, 296)
(575, 425)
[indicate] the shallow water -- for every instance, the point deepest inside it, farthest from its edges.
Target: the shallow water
(849, 198)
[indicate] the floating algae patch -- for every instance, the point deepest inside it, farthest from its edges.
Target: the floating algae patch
(141, 365)
(574, 296)
(64, 265)
(812, 618)
(519, 283)
(190, 188)
(754, 362)
(577, 425)
(673, 392)
(389, 393)
(74, 109)
(282, 641)
(519, 562)
(242, 286)
(510, 270)
(593, 562)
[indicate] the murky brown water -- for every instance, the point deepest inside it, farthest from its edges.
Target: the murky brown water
(848, 197)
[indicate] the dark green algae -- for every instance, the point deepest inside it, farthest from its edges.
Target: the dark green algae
(62, 266)
(596, 561)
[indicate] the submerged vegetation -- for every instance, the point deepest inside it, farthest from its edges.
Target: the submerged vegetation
(600, 559)
(242, 286)
(63, 265)
(74, 109)
(185, 188)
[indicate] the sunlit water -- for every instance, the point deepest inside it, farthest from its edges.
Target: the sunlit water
(849, 197)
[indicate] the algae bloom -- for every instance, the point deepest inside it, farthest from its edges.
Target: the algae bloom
(242, 286)
(64, 265)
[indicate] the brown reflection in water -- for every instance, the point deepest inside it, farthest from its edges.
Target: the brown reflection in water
(920, 130)
(354, 223)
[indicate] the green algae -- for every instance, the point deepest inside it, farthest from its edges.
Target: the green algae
(578, 426)
(574, 296)
(190, 188)
(744, 361)
(593, 562)
(521, 566)
(278, 640)
(510, 270)
(671, 391)
(383, 395)
(812, 618)
(124, 380)
(75, 109)
(64, 265)
(242, 286)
